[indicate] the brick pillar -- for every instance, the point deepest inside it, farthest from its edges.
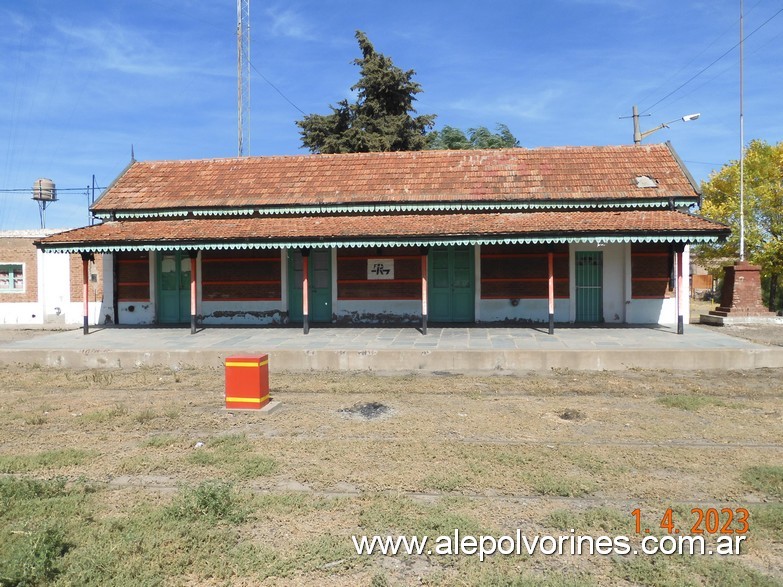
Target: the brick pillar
(741, 295)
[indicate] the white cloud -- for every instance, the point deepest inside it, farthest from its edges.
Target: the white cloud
(532, 106)
(288, 23)
(14, 21)
(125, 50)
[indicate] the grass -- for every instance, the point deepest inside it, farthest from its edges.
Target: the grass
(767, 520)
(51, 459)
(144, 416)
(161, 441)
(765, 478)
(234, 454)
(597, 520)
(443, 483)
(35, 420)
(210, 500)
(691, 403)
(674, 571)
(561, 485)
(257, 503)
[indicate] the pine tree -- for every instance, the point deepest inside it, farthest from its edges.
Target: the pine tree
(381, 119)
(477, 138)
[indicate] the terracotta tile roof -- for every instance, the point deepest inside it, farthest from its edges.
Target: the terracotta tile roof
(266, 229)
(552, 173)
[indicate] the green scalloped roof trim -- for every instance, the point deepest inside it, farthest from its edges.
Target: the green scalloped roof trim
(212, 246)
(405, 207)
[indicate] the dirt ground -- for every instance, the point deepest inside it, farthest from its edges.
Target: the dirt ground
(542, 452)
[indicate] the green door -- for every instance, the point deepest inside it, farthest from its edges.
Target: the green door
(451, 284)
(320, 278)
(589, 286)
(173, 288)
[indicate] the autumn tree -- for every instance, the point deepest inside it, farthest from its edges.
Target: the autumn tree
(382, 117)
(476, 138)
(763, 212)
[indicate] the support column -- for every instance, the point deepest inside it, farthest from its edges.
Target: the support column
(193, 290)
(679, 248)
(424, 290)
(86, 258)
(305, 291)
(551, 266)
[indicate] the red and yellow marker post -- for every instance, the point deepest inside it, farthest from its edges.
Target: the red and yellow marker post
(247, 382)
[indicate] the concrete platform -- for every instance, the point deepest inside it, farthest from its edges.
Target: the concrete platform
(715, 320)
(451, 349)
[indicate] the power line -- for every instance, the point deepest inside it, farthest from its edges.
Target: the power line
(29, 190)
(694, 58)
(678, 88)
(275, 88)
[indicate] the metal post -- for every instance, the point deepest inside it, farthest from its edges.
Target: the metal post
(305, 291)
(742, 139)
(551, 263)
(424, 291)
(193, 290)
(678, 290)
(86, 258)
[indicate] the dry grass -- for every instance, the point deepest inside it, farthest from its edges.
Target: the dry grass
(275, 499)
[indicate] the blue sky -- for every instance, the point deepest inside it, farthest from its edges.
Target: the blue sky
(82, 81)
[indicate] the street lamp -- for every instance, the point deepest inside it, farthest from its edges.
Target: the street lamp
(638, 135)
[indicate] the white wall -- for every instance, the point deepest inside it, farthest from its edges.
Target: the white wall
(20, 313)
(664, 310)
(244, 312)
(55, 305)
(527, 310)
(376, 311)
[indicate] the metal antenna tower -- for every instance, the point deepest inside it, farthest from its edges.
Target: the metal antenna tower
(243, 77)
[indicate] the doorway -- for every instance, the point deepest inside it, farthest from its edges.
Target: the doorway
(589, 286)
(451, 284)
(173, 287)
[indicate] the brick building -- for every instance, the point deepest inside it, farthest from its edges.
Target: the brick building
(518, 236)
(39, 287)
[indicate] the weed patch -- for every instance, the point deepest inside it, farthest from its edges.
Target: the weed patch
(52, 459)
(210, 500)
(689, 403)
(765, 478)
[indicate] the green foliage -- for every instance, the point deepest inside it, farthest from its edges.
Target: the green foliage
(213, 501)
(763, 210)
(381, 119)
(35, 560)
(690, 403)
(477, 138)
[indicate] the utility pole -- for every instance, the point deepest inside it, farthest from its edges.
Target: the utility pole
(637, 132)
(742, 140)
(243, 77)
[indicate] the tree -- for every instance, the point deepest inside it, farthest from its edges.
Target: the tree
(381, 119)
(763, 212)
(477, 138)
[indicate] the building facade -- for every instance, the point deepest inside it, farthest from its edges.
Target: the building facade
(38, 287)
(586, 235)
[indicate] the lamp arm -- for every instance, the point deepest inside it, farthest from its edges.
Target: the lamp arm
(647, 133)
